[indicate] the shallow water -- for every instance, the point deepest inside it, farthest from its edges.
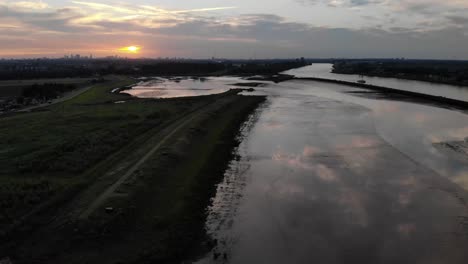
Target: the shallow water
(335, 174)
(324, 71)
(182, 87)
(329, 176)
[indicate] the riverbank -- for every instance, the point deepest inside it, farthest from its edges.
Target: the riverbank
(410, 78)
(426, 98)
(156, 214)
(437, 72)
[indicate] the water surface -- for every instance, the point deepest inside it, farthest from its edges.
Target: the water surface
(328, 175)
(182, 87)
(323, 70)
(334, 174)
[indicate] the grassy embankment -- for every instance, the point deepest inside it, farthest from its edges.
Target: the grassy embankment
(43, 152)
(66, 147)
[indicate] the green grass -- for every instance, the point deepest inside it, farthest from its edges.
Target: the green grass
(58, 144)
(160, 212)
(162, 220)
(15, 87)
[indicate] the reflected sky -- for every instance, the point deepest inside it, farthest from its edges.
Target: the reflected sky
(326, 176)
(182, 87)
(411, 128)
(324, 71)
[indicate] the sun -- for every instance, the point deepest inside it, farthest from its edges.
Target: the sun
(131, 49)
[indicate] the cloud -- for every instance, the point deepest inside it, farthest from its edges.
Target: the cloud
(101, 29)
(343, 3)
(458, 20)
(145, 9)
(35, 5)
(434, 9)
(402, 3)
(204, 9)
(105, 7)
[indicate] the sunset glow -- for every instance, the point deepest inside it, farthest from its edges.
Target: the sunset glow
(235, 29)
(131, 49)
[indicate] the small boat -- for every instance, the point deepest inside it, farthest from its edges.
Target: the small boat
(361, 81)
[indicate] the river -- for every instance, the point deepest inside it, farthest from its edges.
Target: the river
(323, 70)
(334, 174)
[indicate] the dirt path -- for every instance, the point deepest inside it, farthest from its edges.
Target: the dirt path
(107, 185)
(111, 189)
(66, 97)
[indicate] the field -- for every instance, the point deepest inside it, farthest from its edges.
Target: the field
(14, 87)
(55, 161)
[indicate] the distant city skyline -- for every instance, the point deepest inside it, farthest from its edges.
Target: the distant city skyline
(420, 29)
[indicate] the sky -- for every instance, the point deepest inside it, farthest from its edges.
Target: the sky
(432, 29)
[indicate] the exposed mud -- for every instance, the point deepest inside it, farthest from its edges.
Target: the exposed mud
(460, 147)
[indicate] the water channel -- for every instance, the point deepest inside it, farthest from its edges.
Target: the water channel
(335, 174)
